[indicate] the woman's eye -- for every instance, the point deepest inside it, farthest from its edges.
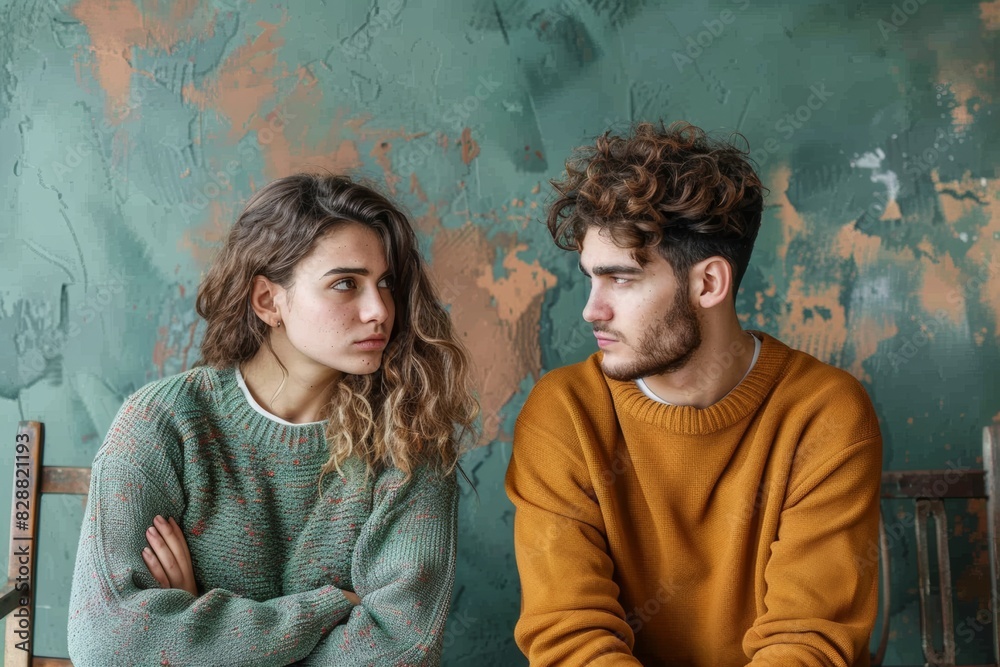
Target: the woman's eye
(386, 282)
(344, 285)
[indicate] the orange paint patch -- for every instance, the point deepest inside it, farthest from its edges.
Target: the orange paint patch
(853, 243)
(968, 80)
(116, 27)
(953, 207)
(792, 223)
(805, 327)
(892, 211)
(416, 189)
(989, 14)
(496, 319)
(470, 149)
(430, 222)
(162, 351)
(203, 242)
(380, 151)
(243, 83)
(523, 282)
(940, 282)
(866, 334)
(984, 253)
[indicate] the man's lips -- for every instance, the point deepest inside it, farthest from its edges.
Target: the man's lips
(603, 340)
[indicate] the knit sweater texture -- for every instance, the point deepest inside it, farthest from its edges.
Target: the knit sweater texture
(739, 534)
(271, 550)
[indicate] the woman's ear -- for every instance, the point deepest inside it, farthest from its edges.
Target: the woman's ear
(715, 281)
(266, 298)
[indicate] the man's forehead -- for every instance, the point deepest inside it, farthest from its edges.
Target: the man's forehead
(597, 248)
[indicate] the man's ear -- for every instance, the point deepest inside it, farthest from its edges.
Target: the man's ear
(266, 299)
(712, 279)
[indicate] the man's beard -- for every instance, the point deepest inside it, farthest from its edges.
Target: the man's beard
(665, 348)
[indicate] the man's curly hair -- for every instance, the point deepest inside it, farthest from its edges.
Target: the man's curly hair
(672, 188)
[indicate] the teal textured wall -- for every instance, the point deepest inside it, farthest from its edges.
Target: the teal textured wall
(132, 130)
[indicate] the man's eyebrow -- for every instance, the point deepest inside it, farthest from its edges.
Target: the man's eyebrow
(612, 268)
(360, 271)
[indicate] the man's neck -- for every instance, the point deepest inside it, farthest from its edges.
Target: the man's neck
(719, 364)
(304, 394)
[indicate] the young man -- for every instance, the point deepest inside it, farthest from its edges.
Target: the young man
(692, 494)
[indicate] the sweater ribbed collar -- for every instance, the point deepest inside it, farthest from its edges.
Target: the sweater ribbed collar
(233, 405)
(744, 400)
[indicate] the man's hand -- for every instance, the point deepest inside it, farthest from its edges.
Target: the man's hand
(167, 556)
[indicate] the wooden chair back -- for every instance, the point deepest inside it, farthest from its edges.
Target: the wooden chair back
(31, 480)
(928, 489)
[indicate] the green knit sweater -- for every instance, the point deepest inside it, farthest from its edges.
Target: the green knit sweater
(270, 551)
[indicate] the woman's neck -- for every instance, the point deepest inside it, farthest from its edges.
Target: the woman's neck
(300, 395)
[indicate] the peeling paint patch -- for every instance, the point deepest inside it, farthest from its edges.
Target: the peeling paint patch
(496, 318)
(116, 27)
(792, 223)
(873, 160)
(989, 14)
(866, 334)
(939, 279)
(470, 149)
(815, 320)
(244, 81)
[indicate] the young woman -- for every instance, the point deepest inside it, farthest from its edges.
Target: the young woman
(294, 497)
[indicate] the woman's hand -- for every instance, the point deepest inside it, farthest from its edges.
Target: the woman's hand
(351, 597)
(167, 556)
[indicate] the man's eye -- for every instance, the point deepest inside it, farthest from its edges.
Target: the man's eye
(344, 285)
(621, 281)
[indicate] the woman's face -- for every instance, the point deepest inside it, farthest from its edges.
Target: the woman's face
(339, 311)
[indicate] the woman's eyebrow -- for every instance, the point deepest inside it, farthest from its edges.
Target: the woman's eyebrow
(360, 271)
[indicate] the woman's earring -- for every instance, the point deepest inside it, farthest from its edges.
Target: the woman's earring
(279, 323)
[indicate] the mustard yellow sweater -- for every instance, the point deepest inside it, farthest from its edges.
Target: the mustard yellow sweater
(739, 534)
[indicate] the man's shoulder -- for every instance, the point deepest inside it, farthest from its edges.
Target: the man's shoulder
(571, 382)
(819, 388)
(575, 390)
(821, 378)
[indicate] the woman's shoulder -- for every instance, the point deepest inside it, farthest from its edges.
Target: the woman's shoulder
(170, 403)
(189, 389)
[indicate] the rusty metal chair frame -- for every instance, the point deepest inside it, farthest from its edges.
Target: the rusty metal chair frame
(928, 488)
(31, 480)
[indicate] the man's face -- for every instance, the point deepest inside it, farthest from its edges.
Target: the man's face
(642, 316)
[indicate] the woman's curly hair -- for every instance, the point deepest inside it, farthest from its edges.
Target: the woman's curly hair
(672, 188)
(419, 406)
